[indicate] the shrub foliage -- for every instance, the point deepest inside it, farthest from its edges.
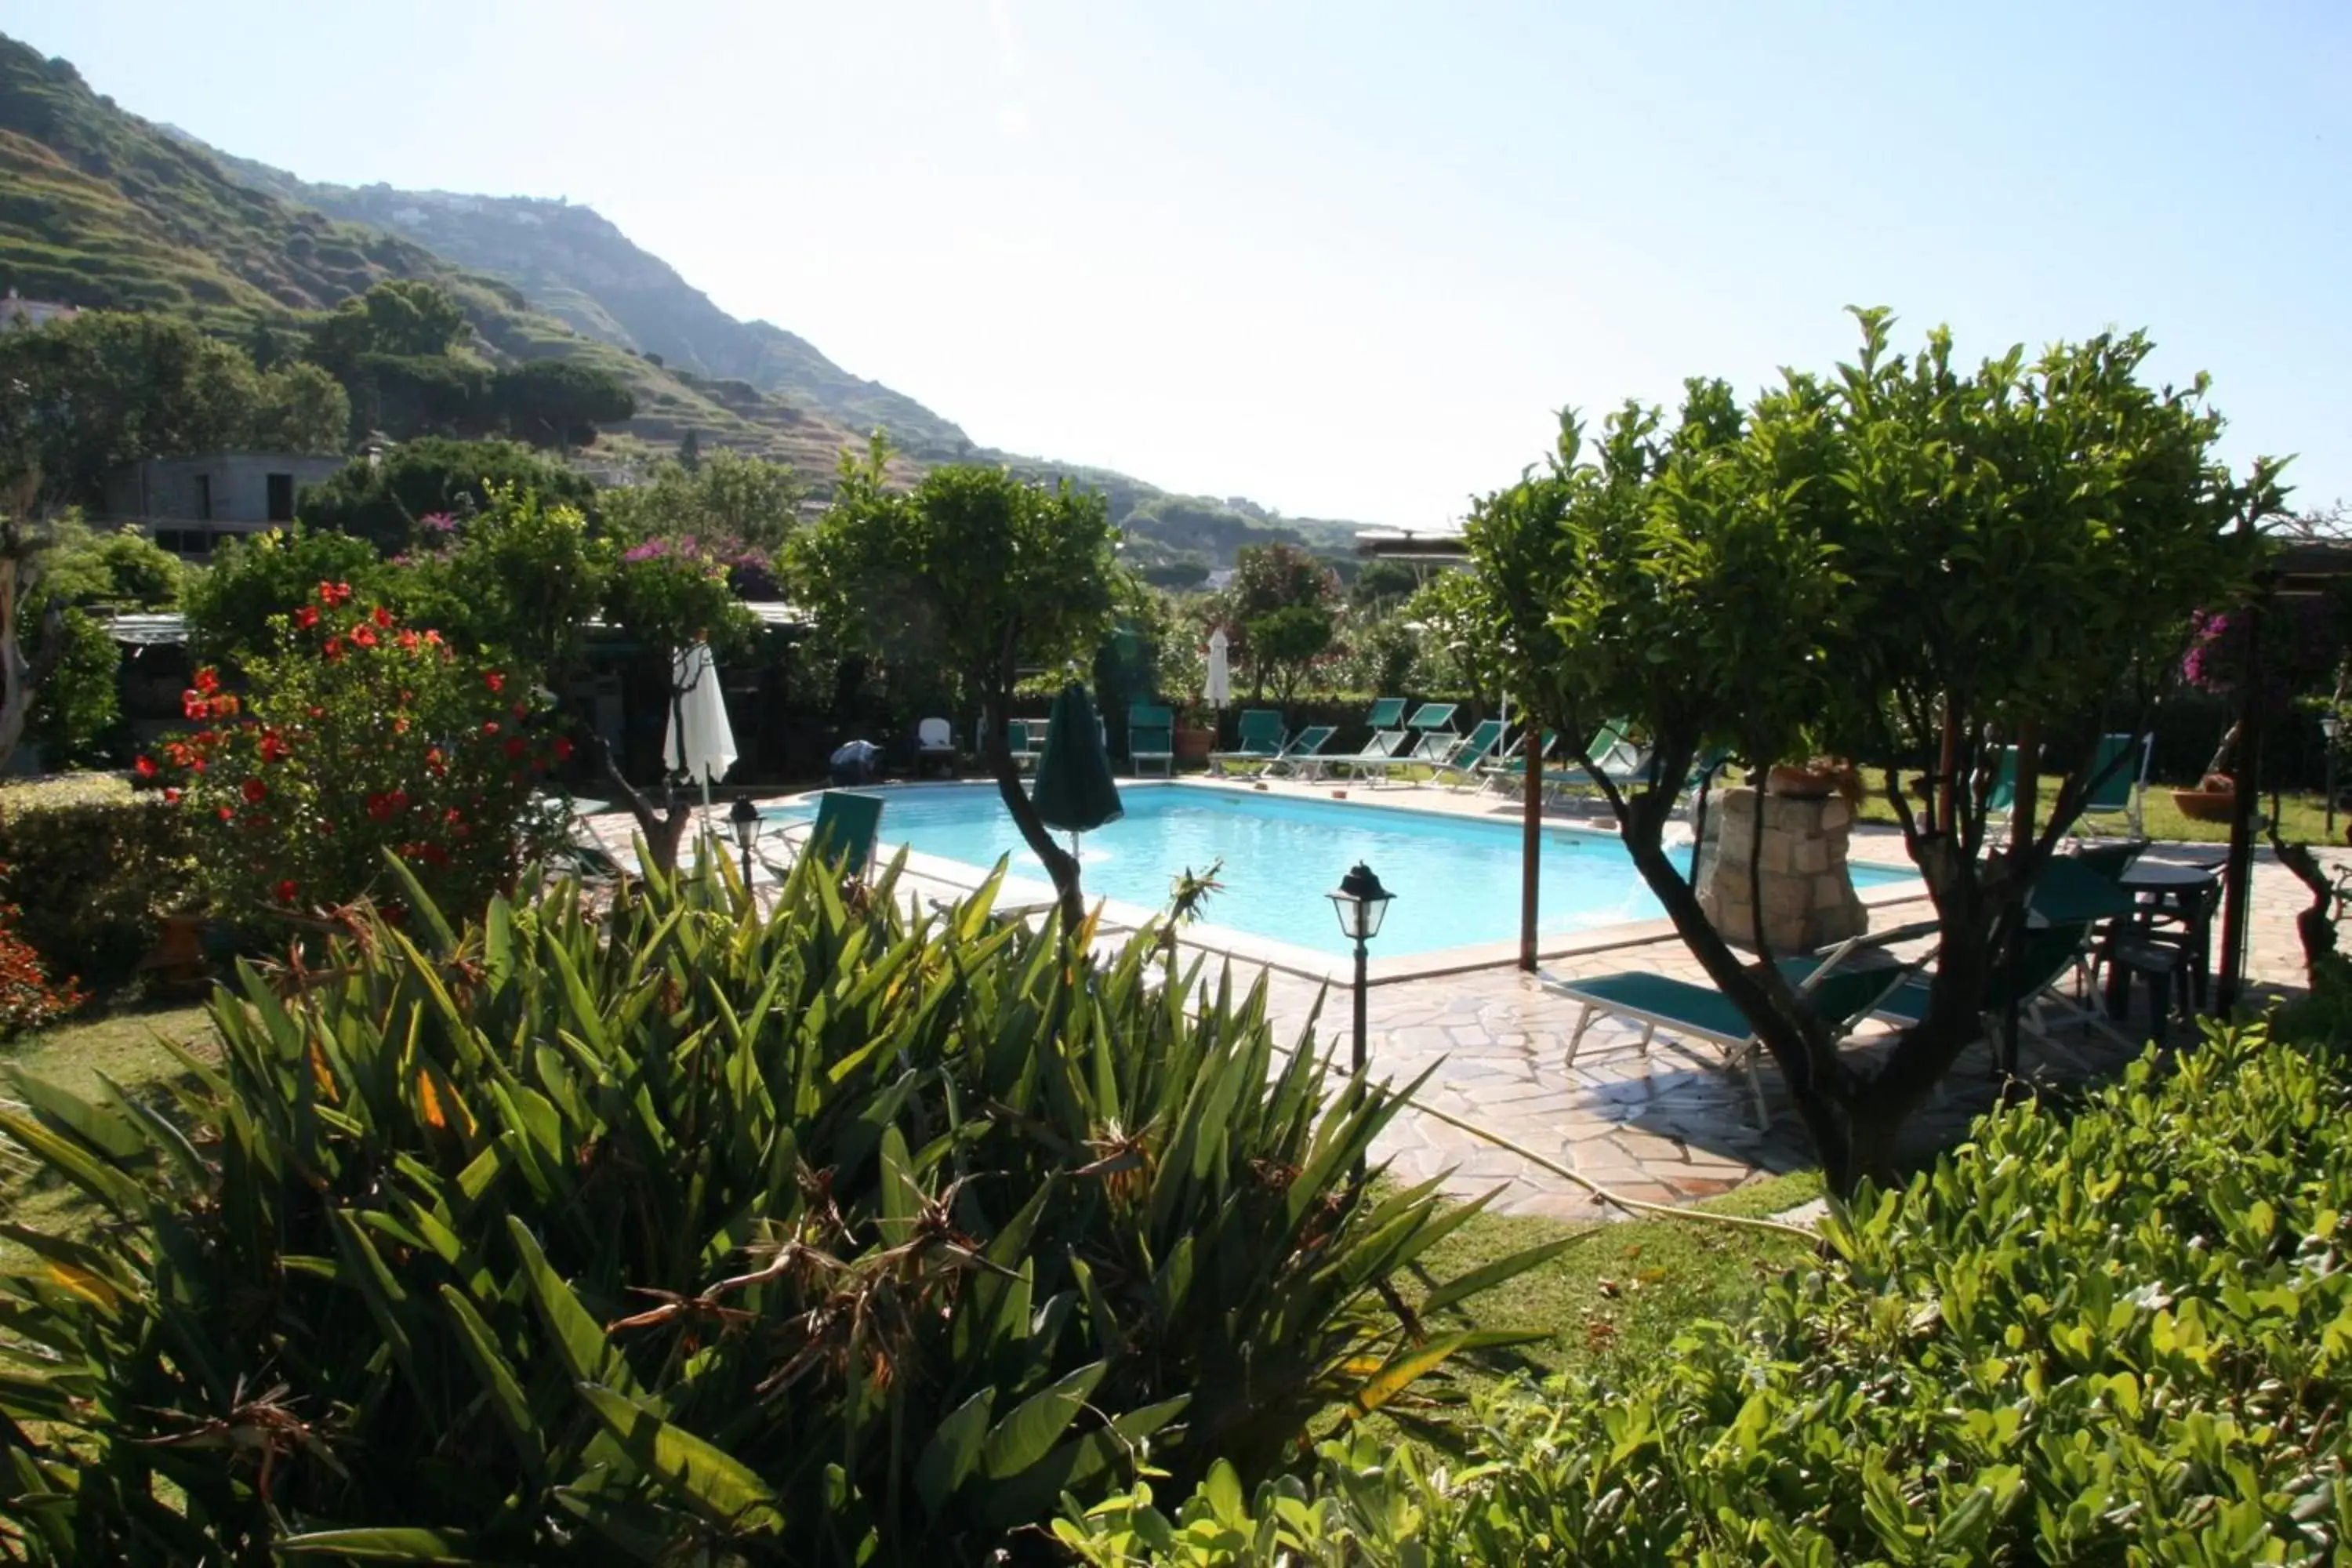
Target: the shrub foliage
(91, 865)
(682, 1231)
(2116, 1336)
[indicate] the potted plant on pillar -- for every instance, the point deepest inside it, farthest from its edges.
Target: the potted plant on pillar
(1196, 733)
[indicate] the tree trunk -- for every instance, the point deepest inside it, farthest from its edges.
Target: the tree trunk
(21, 678)
(1059, 863)
(663, 831)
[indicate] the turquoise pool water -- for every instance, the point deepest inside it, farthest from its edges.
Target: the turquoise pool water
(1457, 881)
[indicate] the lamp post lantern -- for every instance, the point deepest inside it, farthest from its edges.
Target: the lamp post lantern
(1361, 903)
(2331, 725)
(743, 818)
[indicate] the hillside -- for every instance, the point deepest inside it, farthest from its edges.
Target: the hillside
(574, 264)
(100, 208)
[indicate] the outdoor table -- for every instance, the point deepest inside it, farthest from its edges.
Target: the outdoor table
(2170, 891)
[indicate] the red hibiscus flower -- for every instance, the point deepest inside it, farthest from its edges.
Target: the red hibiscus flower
(380, 616)
(146, 766)
(285, 891)
(172, 796)
(334, 648)
(562, 750)
(254, 790)
(307, 616)
(495, 681)
(489, 727)
(207, 680)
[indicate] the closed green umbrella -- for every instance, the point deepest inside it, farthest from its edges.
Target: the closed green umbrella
(1074, 791)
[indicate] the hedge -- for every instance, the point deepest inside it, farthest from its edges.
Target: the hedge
(92, 865)
(2118, 1333)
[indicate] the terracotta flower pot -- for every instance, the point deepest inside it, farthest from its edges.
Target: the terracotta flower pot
(1194, 745)
(1799, 783)
(2206, 804)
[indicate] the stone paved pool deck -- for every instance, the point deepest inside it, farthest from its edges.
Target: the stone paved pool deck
(1670, 1126)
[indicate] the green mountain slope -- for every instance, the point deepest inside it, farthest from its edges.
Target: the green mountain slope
(100, 208)
(574, 264)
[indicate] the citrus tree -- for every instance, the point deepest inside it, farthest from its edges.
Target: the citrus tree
(976, 572)
(1902, 562)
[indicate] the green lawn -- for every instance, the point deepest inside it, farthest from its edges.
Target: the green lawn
(1621, 1293)
(124, 1047)
(2303, 818)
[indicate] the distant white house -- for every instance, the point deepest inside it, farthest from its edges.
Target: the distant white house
(188, 505)
(19, 314)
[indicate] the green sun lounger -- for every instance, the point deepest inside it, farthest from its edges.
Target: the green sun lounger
(1262, 736)
(1300, 758)
(1151, 738)
(1460, 762)
(844, 829)
(1386, 714)
(1840, 991)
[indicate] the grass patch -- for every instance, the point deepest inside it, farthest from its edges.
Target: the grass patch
(1621, 1291)
(124, 1047)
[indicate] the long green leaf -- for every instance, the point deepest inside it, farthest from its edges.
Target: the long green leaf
(708, 1479)
(389, 1543)
(953, 1452)
(1488, 1276)
(1030, 1432)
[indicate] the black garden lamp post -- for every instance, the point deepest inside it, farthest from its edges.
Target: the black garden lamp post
(743, 818)
(1360, 902)
(2331, 725)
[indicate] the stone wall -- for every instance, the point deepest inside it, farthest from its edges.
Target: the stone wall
(1801, 886)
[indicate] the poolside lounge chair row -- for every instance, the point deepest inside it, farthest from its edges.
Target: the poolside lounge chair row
(1856, 980)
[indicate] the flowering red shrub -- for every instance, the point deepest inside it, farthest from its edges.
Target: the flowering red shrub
(28, 998)
(361, 736)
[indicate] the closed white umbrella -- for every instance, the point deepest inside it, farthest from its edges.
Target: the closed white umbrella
(1218, 690)
(698, 740)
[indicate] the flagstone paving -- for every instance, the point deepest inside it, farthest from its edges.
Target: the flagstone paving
(1670, 1125)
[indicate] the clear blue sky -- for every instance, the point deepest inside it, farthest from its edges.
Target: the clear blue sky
(1346, 257)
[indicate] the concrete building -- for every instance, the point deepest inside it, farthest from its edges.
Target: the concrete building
(189, 504)
(19, 314)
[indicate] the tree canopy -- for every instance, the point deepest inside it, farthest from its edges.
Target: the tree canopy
(973, 571)
(384, 499)
(730, 499)
(82, 396)
(1904, 562)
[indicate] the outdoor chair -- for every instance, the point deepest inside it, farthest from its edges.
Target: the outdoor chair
(935, 742)
(1301, 759)
(2114, 785)
(1461, 763)
(1387, 713)
(1151, 738)
(1839, 995)
(1025, 739)
(1507, 772)
(1377, 753)
(1261, 735)
(844, 829)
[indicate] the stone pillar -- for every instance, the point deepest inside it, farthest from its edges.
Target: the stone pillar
(1801, 886)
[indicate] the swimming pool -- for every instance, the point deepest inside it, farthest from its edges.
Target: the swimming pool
(1456, 880)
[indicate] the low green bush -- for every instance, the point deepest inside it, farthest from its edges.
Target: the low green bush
(2117, 1335)
(683, 1232)
(91, 865)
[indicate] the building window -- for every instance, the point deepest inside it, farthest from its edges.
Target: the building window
(204, 496)
(281, 497)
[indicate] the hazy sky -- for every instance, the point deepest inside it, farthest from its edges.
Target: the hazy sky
(1345, 258)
